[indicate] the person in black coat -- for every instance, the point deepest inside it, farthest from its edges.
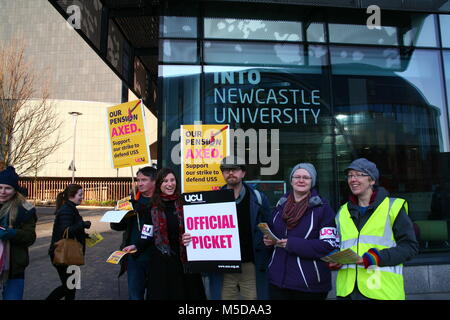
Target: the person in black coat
(67, 217)
(17, 233)
(137, 265)
(168, 277)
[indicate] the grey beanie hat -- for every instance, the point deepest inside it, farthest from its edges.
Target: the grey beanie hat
(365, 166)
(308, 167)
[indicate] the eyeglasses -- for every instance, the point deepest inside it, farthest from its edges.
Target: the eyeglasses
(301, 178)
(357, 176)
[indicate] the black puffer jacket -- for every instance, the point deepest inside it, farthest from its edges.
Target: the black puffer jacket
(25, 226)
(68, 217)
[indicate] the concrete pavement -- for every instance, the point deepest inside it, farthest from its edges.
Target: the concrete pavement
(98, 279)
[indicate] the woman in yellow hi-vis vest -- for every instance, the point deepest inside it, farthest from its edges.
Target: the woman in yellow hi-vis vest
(378, 228)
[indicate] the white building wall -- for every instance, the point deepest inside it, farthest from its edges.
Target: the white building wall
(92, 150)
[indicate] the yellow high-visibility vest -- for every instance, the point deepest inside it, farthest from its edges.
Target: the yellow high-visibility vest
(382, 283)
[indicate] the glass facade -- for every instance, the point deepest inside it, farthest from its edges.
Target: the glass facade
(320, 90)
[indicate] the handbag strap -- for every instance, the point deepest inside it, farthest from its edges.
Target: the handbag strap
(66, 233)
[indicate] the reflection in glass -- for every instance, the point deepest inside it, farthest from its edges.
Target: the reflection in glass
(396, 119)
(291, 100)
(446, 55)
(384, 58)
(424, 72)
(445, 25)
(253, 53)
(361, 34)
(178, 51)
(178, 27)
(315, 32)
(221, 28)
(180, 104)
(422, 32)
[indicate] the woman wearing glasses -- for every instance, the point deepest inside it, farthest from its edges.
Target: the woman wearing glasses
(378, 228)
(304, 223)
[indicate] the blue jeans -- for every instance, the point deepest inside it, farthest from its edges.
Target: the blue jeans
(13, 289)
(137, 278)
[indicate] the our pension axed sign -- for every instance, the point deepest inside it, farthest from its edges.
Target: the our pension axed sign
(202, 149)
(129, 144)
(211, 219)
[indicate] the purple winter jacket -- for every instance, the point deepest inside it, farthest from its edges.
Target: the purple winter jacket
(298, 266)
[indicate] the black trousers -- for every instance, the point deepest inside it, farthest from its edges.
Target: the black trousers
(62, 291)
(277, 293)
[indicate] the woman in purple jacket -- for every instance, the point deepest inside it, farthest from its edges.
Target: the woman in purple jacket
(304, 222)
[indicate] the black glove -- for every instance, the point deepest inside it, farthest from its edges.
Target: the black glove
(87, 224)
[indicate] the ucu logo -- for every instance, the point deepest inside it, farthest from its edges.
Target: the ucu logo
(327, 233)
(193, 198)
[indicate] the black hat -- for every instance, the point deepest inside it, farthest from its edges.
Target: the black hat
(10, 177)
(233, 162)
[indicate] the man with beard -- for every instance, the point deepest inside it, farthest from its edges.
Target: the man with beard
(252, 208)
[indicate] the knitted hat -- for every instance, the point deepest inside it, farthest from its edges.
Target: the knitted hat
(10, 177)
(308, 167)
(365, 166)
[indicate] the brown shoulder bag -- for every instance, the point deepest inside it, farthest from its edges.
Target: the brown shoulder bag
(68, 251)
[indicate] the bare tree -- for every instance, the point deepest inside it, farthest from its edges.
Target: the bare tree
(29, 126)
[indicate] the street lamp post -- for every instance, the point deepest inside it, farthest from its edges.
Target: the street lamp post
(75, 115)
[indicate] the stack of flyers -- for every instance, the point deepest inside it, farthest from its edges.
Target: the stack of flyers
(266, 231)
(347, 256)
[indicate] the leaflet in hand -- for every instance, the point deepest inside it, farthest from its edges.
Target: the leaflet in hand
(266, 230)
(94, 238)
(347, 256)
(116, 256)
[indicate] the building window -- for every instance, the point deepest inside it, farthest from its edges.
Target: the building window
(241, 53)
(178, 27)
(361, 34)
(285, 110)
(244, 29)
(397, 118)
(178, 51)
(378, 94)
(422, 32)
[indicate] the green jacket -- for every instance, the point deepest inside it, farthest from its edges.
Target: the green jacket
(25, 226)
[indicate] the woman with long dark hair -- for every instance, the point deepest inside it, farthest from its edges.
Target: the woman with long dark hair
(17, 234)
(67, 217)
(168, 279)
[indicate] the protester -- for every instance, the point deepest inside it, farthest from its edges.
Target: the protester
(378, 228)
(168, 279)
(137, 265)
(17, 233)
(67, 217)
(252, 208)
(304, 223)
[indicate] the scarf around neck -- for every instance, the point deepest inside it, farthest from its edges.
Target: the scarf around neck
(293, 211)
(160, 230)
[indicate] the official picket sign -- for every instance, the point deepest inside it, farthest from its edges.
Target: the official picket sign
(211, 219)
